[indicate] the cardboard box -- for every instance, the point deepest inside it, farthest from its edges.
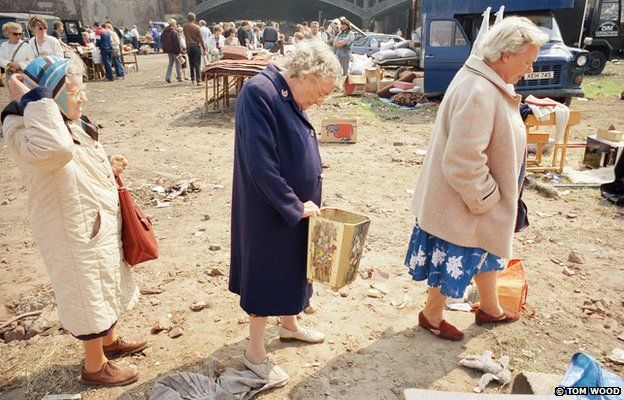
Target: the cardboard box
(335, 246)
(601, 153)
(373, 77)
(356, 85)
(339, 130)
(610, 134)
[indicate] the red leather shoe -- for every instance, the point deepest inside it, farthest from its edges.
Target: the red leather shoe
(444, 331)
(481, 317)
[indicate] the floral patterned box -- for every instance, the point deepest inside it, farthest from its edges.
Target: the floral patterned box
(335, 246)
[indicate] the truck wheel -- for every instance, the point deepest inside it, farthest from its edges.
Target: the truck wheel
(563, 100)
(597, 62)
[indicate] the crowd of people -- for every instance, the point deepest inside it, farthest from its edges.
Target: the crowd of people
(196, 44)
(475, 162)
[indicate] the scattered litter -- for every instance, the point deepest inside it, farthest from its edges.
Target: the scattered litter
(311, 364)
(593, 176)
(567, 271)
(182, 189)
(374, 293)
(65, 396)
(465, 307)
(200, 232)
(492, 370)
(152, 291)
(544, 215)
(163, 204)
(158, 189)
(616, 356)
(214, 272)
(575, 257)
(399, 305)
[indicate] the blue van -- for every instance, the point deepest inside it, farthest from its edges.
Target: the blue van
(449, 28)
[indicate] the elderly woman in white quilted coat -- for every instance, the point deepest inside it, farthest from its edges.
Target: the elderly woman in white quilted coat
(73, 210)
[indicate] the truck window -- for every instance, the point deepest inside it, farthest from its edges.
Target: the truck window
(446, 34)
(610, 10)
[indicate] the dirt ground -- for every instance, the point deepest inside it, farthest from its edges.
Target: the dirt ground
(374, 347)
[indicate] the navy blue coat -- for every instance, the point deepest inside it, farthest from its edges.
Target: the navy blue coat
(277, 168)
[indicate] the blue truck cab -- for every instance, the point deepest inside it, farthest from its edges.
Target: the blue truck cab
(449, 28)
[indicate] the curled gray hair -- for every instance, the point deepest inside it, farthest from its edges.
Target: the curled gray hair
(173, 22)
(314, 58)
(513, 34)
(75, 67)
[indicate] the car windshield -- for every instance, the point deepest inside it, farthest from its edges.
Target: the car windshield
(361, 41)
(548, 25)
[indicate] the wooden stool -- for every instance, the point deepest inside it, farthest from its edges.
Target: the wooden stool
(538, 138)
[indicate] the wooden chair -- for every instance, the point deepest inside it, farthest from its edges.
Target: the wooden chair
(130, 58)
(540, 138)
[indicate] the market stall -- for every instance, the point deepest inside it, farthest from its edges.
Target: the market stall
(225, 78)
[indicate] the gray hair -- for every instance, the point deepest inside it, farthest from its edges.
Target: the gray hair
(314, 58)
(513, 34)
(202, 23)
(76, 66)
(173, 22)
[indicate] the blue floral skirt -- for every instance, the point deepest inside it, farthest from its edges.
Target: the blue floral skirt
(445, 265)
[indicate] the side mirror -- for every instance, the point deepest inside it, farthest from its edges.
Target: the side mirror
(588, 41)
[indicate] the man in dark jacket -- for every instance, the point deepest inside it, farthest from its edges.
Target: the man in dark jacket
(105, 44)
(170, 42)
(269, 36)
(243, 36)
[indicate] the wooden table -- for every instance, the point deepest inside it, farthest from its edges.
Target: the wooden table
(541, 138)
(134, 61)
(222, 85)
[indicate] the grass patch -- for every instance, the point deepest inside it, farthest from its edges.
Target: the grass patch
(371, 107)
(607, 84)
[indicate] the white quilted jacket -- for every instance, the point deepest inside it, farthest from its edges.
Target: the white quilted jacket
(74, 215)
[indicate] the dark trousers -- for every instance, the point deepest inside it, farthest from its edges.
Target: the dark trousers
(107, 55)
(194, 55)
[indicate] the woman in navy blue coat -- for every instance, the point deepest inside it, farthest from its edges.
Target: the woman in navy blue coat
(277, 186)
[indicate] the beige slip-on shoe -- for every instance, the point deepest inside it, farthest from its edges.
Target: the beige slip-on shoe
(267, 371)
(303, 334)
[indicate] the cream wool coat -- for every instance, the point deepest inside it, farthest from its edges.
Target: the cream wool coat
(468, 189)
(74, 216)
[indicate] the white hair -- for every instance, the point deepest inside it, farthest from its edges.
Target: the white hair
(172, 22)
(314, 58)
(75, 67)
(513, 34)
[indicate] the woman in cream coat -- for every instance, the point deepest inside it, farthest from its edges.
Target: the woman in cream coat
(73, 209)
(467, 196)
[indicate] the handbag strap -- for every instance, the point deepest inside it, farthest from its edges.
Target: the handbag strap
(17, 50)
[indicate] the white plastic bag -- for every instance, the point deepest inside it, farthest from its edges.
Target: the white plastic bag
(97, 56)
(485, 26)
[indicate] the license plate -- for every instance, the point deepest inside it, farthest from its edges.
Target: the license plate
(539, 75)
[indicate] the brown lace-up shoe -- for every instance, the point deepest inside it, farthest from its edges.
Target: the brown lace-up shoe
(109, 375)
(121, 346)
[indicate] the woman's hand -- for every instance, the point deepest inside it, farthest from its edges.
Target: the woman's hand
(119, 164)
(310, 209)
(16, 87)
